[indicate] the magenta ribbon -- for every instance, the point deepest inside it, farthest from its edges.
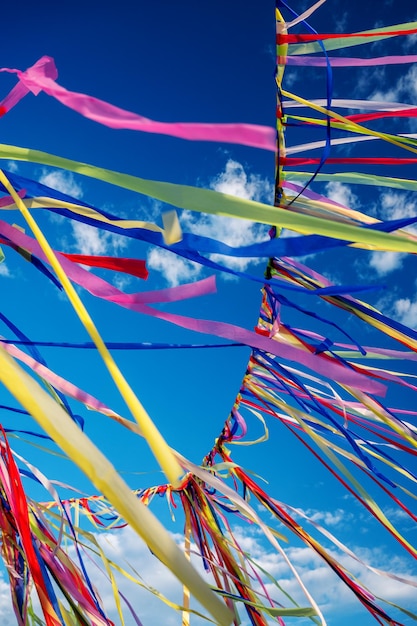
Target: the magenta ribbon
(349, 61)
(42, 76)
(319, 363)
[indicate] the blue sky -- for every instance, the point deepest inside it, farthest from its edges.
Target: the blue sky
(214, 63)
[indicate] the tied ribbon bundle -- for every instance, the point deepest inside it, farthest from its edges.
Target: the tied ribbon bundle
(317, 388)
(33, 556)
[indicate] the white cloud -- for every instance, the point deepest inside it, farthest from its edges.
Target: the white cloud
(326, 588)
(386, 262)
(7, 616)
(369, 80)
(86, 239)
(405, 311)
(410, 43)
(330, 593)
(404, 90)
(398, 516)
(61, 181)
(234, 232)
(333, 596)
(127, 550)
(341, 22)
(121, 281)
(407, 85)
(91, 240)
(342, 194)
(175, 269)
(394, 205)
(4, 270)
(330, 518)
(291, 77)
(12, 166)
(235, 181)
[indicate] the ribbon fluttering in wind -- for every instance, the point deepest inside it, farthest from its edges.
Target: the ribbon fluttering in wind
(42, 77)
(332, 398)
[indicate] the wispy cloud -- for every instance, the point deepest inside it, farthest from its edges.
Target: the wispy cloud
(394, 205)
(330, 518)
(234, 180)
(391, 205)
(175, 269)
(369, 80)
(7, 616)
(130, 552)
(385, 262)
(4, 271)
(12, 166)
(410, 43)
(398, 516)
(404, 90)
(85, 239)
(341, 22)
(401, 309)
(405, 311)
(233, 232)
(90, 240)
(291, 77)
(61, 181)
(333, 596)
(342, 194)
(327, 589)
(126, 549)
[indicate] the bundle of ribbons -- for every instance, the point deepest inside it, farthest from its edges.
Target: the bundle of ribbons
(324, 391)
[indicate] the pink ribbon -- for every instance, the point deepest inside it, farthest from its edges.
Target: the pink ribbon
(42, 75)
(350, 61)
(321, 363)
(58, 382)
